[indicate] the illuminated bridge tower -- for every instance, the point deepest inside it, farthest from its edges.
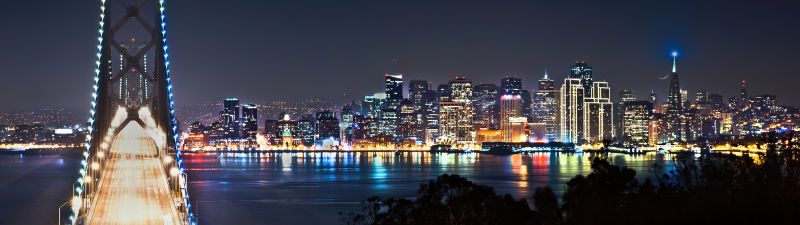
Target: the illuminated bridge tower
(132, 170)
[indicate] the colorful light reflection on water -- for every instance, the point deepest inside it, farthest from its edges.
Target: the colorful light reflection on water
(312, 187)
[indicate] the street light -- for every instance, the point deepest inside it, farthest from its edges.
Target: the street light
(59, 212)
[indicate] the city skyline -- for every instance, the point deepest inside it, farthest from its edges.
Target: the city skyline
(520, 39)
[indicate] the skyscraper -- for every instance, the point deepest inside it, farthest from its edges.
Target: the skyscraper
(624, 97)
(571, 111)
(545, 108)
(486, 106)
(326, 127)
(250, 122)
(675, 106)
(510, 107)
(229, 118)
(393, 89)
(418, 91)
(598, 114)
(456, 115)
(635, 123)
(581, 70)
(410, 127)
(511, 86)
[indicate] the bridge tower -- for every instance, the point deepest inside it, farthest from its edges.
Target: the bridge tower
(132, 85)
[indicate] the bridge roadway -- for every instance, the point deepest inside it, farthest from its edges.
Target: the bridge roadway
(133, 185)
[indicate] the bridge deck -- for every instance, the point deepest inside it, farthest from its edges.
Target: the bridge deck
(133, 187)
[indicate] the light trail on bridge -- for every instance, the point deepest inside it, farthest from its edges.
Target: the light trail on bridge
(133, 187)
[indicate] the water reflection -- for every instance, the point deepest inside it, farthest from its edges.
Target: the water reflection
(387, 173)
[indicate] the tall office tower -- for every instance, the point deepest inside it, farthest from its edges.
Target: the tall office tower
(305, 131)
(455, 116)
(545, 108)
(624, 96)
(546, 83)
(410, 127)
(387, 122)
(635, 123)
(674, 115)
(347, 124)
(486, 106)
(510, 107)
(527, 103)
(571, 111)
(443, 92)
(393, 89)
(418, 91)
(229, 118)
(326, 127)
(249, 122)
(461, 91)
(581, 70)
(373, 105)
(598, 114)
(510, 86)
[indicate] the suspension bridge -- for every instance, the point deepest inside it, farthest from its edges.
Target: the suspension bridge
(131, 171)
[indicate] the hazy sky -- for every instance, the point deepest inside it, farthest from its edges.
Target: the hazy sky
(260, 50)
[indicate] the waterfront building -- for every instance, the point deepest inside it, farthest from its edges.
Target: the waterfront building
(598, 114)
(675, 106)
(545, 108)
(326, 127)
(571, 111)
(456, 116)
(305, 131)
(229, 118)
(410, 127)
(636, 117)
(249, 124)
(624, 97)
(487, 106)
(517, 129)
(510, 107)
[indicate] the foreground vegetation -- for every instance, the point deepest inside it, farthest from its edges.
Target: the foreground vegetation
(711, 188)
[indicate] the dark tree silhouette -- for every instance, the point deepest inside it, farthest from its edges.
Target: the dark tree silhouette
(709, 188)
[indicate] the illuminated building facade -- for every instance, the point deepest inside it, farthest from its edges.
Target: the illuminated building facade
(456, 115)
(581, 70)
(636, 117)
(229, 118)
(486, 106)
(598, 114)
(571, 111)
(545, 108)
(510, 107)
(675, 122)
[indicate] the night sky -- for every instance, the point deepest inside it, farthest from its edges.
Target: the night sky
(339, 50)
